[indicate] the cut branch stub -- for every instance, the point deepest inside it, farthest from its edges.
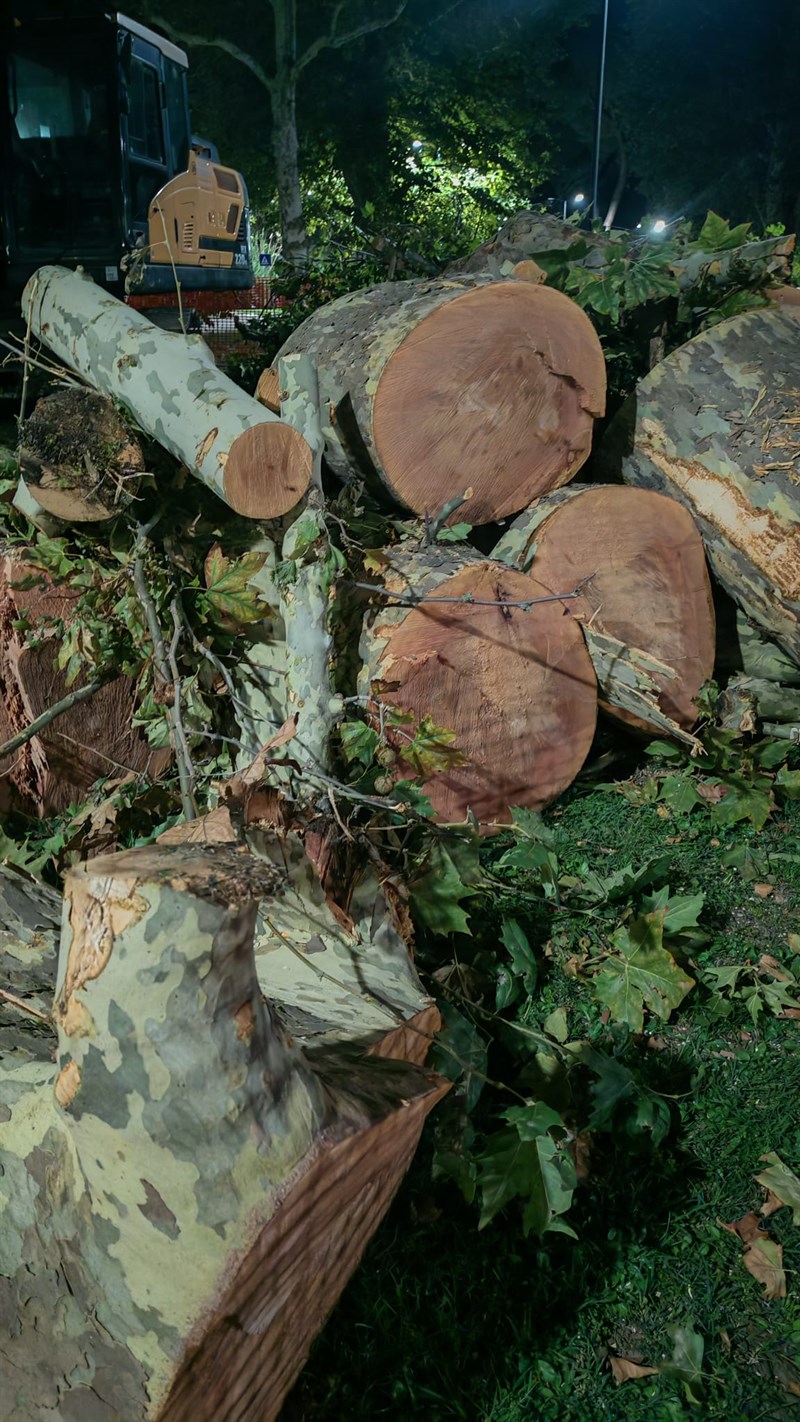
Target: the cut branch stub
(515, 685)
(169, 382)
(435, 387)
(78, 459)
(715, 427)
(649, 591)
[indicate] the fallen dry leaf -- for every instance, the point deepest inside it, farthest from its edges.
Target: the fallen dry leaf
(715, 843)
(764, 1260)
(623, 1370)
(771, 1204)
(712, 793)
(768, 964)
(791, 1012)
(763, 891)
(762, 1257)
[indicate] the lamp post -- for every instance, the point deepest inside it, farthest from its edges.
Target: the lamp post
(598, 118)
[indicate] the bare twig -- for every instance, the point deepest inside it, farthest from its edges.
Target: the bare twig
(23, 1006)
(167, 673)
(411, 599)
(81, 693)
(435, 522)
(227, 46)
(334, 40)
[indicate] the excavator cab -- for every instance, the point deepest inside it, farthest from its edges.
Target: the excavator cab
(98, 162)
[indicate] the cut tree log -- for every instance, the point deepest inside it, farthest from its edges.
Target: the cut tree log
(169, 382)
(647, 607)
(542, 237)
(434, 388)
(78, 460)
(514, 685)
(93, 738)
(186, 1191)
(715, 426)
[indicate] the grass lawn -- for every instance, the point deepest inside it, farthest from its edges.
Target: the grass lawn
(443, 1321)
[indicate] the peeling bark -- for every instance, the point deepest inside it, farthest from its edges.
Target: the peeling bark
(185, 1190)
(715, 427)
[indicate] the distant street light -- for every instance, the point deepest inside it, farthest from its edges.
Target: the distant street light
(598, 118)
(576, 202)
(659, 225)
(416, 145)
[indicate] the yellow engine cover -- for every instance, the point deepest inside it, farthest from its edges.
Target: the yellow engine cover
(194, 220)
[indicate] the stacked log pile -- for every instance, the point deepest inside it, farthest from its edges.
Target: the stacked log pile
(239, 1030)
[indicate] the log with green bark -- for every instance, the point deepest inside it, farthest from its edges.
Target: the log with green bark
(717, 427)
(438, 387)
(645, 607)
(462, 641)
(185, 1189)
(542, 237)
(169, 382)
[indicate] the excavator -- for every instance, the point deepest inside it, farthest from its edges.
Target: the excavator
(100, 168)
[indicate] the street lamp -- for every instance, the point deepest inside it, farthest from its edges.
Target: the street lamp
(578, 199)
(659, 225)
(598, 119)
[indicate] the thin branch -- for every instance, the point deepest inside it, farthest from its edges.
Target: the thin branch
(332, 40)
(23, 1006)
(166, 672)
(227, 46)
(411, 599)
(81, 693)
(176, 710)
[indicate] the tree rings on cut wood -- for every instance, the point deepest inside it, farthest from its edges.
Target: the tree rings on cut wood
(648, 584)
(267, 471)
(515, 685)
(437, 387)
(79, 459)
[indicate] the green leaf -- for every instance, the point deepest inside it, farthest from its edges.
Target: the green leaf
(531, 824)
(555, 1024)
(536, 1171)
(534, 1119)
(641, 974)
(665, 750)
(228, 593)
(432, 748)
(751, 800)
(459, 1053)
(456, 533)
(523, 960)
(359, 742)
(437, 892)
(782, 1182)
(717, 235)
(686, 1363)
(679, 793)
(788, 782)
(649, 278)
(614, 1085)
(683, 910)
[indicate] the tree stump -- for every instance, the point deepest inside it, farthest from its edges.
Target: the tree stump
(646, 589)
(437, 387)
(185, 1190)
(516, 686)
(79, 461)
(715, 427)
